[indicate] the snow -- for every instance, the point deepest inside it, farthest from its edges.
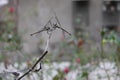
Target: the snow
(3, 2)
(50, 70)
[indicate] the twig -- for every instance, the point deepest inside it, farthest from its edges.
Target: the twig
(33, 66)
(38, 68)
(32, 69)
(39, 60)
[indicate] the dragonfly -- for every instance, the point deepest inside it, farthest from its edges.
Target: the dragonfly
(50, 26)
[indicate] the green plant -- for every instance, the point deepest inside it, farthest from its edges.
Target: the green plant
(8, 32)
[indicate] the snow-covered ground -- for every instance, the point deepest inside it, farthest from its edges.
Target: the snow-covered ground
(99, 72)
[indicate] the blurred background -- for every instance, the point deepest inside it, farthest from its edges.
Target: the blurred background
(94, 43)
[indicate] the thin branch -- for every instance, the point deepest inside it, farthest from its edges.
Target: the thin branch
(38, 68)
(7, 73)
(30, 70)
(39, 60)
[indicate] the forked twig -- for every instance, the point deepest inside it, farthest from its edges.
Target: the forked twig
(36, 70)
(32, 69)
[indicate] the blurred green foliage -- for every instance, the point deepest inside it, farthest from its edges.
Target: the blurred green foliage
(8, 33)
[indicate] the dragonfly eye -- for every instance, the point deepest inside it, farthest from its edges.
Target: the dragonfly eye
(48, 28)
(54, 26)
